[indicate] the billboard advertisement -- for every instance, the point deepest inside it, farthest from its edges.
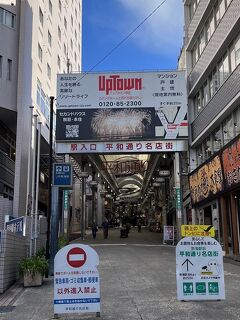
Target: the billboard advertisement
(121, 106)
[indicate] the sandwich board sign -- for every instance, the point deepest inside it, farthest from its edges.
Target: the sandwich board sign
(199, 269)
(76, 280)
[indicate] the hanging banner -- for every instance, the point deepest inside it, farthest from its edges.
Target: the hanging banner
(199, 269)
(76, 280)
(121, 106)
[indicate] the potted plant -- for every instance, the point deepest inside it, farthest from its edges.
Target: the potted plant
(33, 269)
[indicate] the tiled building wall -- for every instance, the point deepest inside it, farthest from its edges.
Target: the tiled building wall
(12, 250)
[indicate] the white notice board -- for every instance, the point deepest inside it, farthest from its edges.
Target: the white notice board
(199, 269)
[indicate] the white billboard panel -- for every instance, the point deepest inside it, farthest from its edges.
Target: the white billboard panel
(116, 105)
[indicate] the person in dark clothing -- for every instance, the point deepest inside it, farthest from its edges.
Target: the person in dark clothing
(94, 230)
(105, 228)
(139, 226)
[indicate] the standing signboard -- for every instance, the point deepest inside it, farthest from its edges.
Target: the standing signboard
(76, 280)
(168, 233)
(199, 269)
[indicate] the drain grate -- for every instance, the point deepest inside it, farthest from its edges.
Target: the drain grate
(5, 309)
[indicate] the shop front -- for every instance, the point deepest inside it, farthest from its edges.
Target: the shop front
(215, 196)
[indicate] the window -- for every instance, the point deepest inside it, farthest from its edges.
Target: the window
(211, 86)
(237, 50)
(41, 16)
(236, 118)
(59, 62)
(1, 59)
(228, 130)
(7, 18)
(40, 52)
(205, 93)
(197, 103)
(220, 72)
(207, 147)
(217, 140)
(49, 39)
(59, 34)
(210, 27)
(215, 80)
(60, 5)
(50, 6)
(9, 69)
(42, 101)
(49, 71)
(195, 54)
(202, 42)
(226, 69)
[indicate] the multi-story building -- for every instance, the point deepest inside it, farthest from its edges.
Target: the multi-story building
(39, 38)
(212, 42)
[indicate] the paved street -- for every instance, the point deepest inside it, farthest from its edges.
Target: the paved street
(137, 283)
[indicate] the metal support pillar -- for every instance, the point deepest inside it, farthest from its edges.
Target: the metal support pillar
(54, 227)
(177, 178)
(50, 178)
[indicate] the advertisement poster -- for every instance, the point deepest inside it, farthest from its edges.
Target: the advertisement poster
(121, 106)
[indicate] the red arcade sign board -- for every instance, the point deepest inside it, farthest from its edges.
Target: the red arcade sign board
(76, 280)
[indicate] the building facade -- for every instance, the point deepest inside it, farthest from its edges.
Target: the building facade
(212, 42)
(41, 38)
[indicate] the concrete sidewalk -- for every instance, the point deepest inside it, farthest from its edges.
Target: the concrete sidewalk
(138, 282)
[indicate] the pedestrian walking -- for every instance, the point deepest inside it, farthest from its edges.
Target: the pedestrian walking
(139, 226)
(105, 228)
(94, 230)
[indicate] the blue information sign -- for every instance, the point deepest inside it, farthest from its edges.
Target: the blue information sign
(62, 175)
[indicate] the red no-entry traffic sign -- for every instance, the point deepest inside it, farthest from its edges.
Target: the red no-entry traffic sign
(76, 257)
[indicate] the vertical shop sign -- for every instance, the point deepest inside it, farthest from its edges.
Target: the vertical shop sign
(199, 269)
(76, 280)
(178, 199)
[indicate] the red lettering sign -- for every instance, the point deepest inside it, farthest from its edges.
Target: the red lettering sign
(115, 83)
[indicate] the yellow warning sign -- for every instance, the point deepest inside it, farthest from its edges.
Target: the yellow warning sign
(197, 230)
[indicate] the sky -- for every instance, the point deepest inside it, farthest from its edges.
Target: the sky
(155, 45)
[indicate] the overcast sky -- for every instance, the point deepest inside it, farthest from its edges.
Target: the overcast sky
(155, 45)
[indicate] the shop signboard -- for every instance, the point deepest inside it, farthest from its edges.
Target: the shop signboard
(231, 164)
(118, 106)
(199, 269)
(130, 146)
(197, 230)
(207, 181)
(76, 280)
